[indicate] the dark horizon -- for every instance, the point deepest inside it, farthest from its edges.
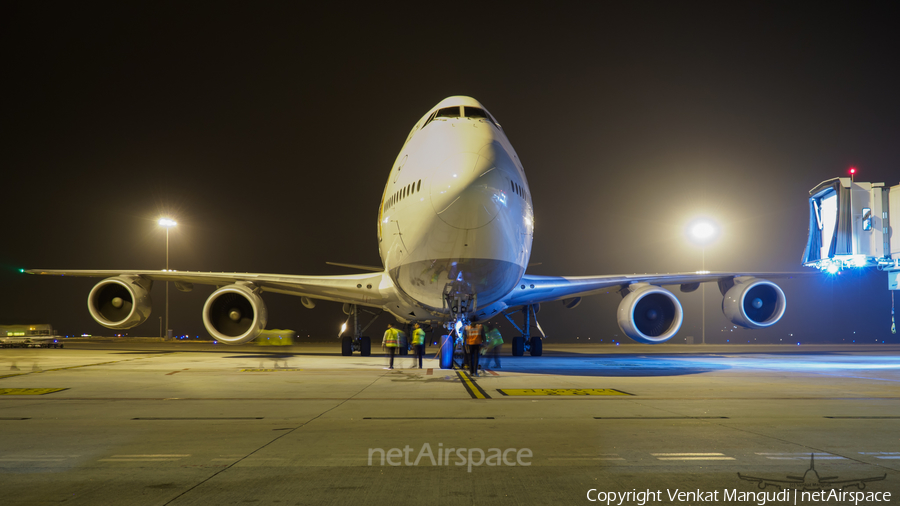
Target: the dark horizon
(268, 133)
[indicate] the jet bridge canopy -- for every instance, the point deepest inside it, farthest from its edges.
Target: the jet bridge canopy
(850, 225)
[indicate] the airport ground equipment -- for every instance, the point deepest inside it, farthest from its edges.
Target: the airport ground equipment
(851, 226)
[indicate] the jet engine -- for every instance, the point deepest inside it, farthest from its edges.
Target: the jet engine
(649, 314)
(235, 314)
(121, 302)
(754, 303)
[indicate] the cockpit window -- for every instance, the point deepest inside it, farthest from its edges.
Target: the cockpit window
(475, 112)
(429, 120)
(494, 121)
(448, 112)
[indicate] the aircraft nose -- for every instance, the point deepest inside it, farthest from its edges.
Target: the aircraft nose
(468, 193)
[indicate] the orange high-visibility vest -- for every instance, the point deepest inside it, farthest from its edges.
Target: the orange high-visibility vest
(473, 334)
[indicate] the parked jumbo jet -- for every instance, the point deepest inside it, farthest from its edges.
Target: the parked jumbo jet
(455, 229)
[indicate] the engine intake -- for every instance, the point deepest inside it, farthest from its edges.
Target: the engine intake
(650, 314)
(121, 302)
(235, 314)
(754, 303)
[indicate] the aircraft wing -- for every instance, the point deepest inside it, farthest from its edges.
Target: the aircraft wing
(766, 481)
(369, 289)
(851, 483)
(536, 289)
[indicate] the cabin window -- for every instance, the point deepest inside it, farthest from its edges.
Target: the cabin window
(419, 187)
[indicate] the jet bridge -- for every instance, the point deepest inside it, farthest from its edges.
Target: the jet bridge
(850, 226)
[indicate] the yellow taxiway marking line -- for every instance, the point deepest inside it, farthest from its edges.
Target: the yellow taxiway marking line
(561, 391)
(474, 390)
(29, 391)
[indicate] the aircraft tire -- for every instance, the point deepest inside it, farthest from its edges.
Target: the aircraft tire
(518, 346)
(537, 346)
(365, 346)
(446, 352)
(346, 346)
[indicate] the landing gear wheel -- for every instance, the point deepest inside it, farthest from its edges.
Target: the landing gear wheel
(518, 346)
(365, 346)
(447, 344)
(537, 346)
(347, 346)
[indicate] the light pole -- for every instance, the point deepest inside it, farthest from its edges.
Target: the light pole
(703, 232)
(167, 223)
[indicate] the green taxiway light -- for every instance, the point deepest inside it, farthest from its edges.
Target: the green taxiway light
(22, 271)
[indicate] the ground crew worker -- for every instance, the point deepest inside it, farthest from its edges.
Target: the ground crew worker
(418, 342)
(474, 337)
(494, 341)
(390, 341)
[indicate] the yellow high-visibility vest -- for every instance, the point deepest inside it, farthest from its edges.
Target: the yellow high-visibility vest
(391, 338)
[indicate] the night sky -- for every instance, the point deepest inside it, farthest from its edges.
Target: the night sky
(268, 132)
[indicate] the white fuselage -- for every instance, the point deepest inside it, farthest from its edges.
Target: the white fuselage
(456, 219)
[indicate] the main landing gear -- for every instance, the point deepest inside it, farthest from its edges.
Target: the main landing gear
(534, 345)
(357, 342)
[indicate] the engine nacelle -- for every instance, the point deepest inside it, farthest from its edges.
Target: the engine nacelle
(235, 314)
(754, 303)
(650, 314)
(121, 302)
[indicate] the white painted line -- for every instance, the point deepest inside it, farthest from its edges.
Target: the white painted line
(895, 457)
(695, 458)
(879, 453)
(685, 454)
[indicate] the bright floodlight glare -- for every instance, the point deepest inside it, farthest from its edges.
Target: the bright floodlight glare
(167, 222)
(832, 268)
(703, 230)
